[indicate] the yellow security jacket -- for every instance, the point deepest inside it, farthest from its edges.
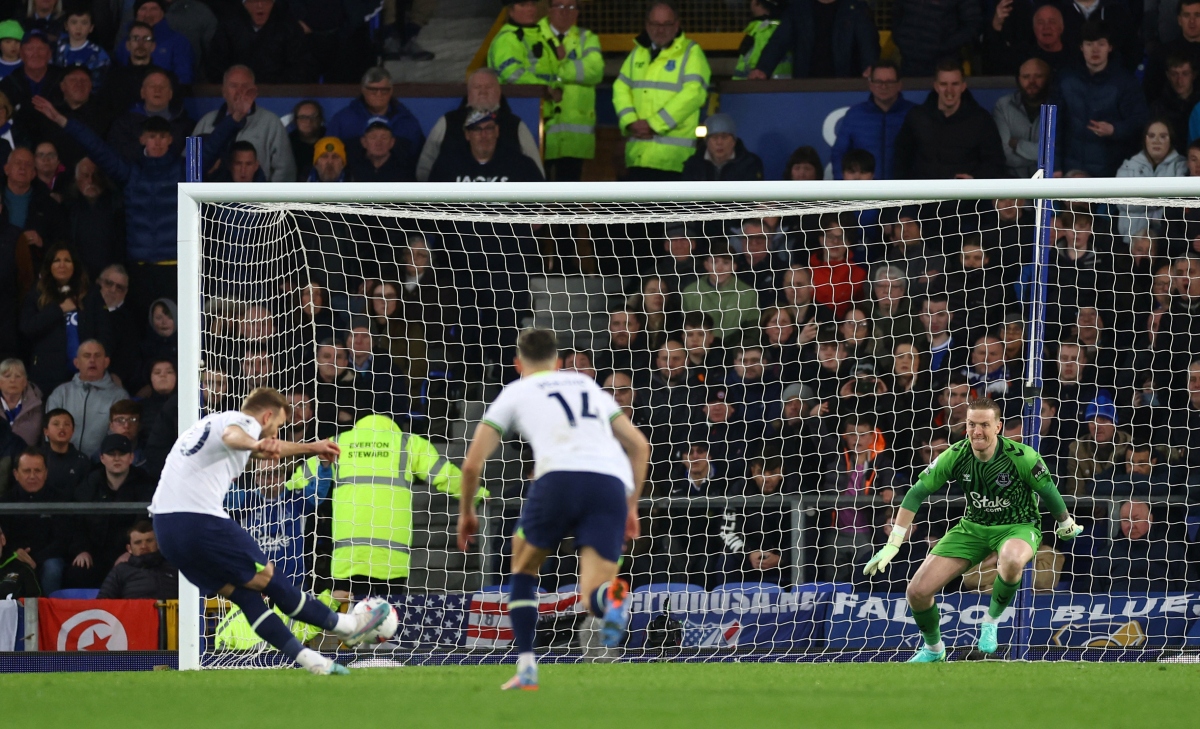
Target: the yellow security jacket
(372, 496)
(527, 56)
(668, 91)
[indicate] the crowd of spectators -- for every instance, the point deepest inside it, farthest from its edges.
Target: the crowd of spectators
(827, 354)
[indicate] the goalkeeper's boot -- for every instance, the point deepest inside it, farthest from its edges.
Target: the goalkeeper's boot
(987, 638)
(367, 623)
(525, 680)
(925, 655)
(329, 667)
(616, 615)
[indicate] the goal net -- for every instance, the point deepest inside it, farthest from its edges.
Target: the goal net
(795, 363)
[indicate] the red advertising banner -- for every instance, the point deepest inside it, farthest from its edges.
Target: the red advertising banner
(97, 625)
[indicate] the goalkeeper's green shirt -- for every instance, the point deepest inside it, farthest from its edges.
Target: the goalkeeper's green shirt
(1000, 491)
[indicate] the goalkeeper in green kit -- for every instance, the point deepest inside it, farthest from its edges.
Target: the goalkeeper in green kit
(999, 477)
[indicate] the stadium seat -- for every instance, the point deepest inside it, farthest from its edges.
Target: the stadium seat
(748, 587)
(75, 593)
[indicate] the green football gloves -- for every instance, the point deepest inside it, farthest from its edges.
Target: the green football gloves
(886, 553)
(1067, 529)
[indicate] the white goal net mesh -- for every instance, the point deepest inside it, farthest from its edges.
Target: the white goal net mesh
(794, 366)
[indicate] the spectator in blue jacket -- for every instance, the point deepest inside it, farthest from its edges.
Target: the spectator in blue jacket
(150, 182)
(874, 124)
(827, 39)
(172, 50)
(1104, 110)
(928, 30)
(375, 102)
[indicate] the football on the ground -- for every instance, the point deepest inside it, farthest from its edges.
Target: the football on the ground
(387, 629)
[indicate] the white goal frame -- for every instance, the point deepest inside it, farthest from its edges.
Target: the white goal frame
(192, 195)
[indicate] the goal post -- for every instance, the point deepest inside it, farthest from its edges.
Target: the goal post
(381, 221)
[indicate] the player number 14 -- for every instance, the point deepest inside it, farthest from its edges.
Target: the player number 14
(584, 410)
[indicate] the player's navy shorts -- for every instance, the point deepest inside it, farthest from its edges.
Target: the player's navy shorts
(210, 551)
(592, 506)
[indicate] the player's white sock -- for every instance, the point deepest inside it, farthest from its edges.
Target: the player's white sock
(346, 626)
(310, 659)
(989, 619)
(526, 660)
(937, 647)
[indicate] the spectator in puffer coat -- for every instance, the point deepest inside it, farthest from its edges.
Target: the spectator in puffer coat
(928, 30)
(723, 156)
(1103, 109)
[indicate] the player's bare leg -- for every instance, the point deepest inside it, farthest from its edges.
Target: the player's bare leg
(604, 595)
(1010, 564)
(523, 610)
(934, 574)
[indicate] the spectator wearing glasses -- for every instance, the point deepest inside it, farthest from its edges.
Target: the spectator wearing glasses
(123, 85)
(308, 125)
(658, 95)
(125, 419)
(873, 124)
(124, 326)
(172, 51)
(374, 104)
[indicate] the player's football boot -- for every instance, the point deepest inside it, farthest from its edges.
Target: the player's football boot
(329, 668)
(927, 656)
(987, 638)
(525, 680)
(616, 615)
(367, 623)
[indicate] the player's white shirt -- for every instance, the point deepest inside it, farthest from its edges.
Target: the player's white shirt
(200, 468)
(567, 419)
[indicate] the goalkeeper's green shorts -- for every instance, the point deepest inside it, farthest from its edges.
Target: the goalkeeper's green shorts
(974, 542)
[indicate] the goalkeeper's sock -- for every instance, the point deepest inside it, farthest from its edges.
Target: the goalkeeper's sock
(1002, 595)
(265, 622)
(523, 611)
(598, 601)
(929, 623)
(296, 604)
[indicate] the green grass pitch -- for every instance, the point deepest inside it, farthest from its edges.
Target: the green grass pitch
(883, 696)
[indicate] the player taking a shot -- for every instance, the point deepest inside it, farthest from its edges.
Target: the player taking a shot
(1000, 477)
(216, 554)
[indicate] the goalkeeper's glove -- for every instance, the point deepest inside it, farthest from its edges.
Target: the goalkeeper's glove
(1067, 529)
(886, 553)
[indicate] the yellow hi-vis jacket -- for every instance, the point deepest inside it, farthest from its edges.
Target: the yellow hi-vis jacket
(668, 91)
(372, 496)
(529, 56)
